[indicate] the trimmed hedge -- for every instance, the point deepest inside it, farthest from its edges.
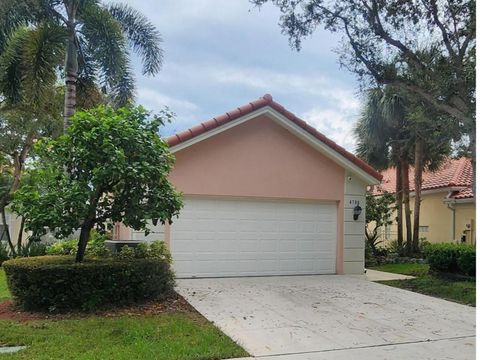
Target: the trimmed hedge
(58, 283)
(451, 258)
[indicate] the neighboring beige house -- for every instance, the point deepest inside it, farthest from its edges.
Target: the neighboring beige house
(447, 211)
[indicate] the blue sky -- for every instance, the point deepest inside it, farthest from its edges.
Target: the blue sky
(220, 54)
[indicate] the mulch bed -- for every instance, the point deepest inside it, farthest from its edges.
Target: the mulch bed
(174, 303)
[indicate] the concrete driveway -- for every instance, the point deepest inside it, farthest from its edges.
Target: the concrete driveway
(332, 317)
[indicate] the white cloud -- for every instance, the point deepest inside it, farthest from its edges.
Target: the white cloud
(335, 123)
(156, 98)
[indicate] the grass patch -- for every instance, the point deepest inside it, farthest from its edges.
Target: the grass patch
(169, 336)
(4, 293)
(457, 289)
(406, 269)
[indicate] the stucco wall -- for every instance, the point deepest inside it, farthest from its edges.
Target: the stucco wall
(435, 214)
(258, 158)
(354, 244)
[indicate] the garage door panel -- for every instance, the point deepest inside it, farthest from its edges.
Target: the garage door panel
(239, 237)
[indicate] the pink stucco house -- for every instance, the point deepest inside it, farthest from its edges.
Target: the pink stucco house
(265, 194)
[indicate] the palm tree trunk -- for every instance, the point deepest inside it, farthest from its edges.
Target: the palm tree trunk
(406, 204)
(71, 66)
(399, 205)
(418, 193)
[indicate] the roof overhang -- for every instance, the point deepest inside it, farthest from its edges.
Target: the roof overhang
(292, 128)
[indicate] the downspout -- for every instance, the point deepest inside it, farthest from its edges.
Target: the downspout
(449, 205)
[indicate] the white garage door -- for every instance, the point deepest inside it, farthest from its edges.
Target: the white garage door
(218, 237)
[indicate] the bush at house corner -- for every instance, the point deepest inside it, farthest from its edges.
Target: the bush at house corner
(451, 258)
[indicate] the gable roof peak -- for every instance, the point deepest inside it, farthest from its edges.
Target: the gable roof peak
(267, 101)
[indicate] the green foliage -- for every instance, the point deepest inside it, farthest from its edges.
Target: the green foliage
(451, 258)
(126, 253)
(378, 213)
(466, 260)
(110, 166)
(4, 253)
(96, 245)
(58, 283)
(32, 249)
(154, 250)
(63, 247)
(36, 48)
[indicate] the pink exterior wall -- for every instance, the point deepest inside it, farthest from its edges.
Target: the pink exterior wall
(258, 158)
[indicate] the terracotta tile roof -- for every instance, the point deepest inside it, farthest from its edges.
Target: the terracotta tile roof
(452, 173)
(264, 101)
(466, 193)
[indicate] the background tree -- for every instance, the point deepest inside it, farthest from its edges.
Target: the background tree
(20, 126)
(91, 38)
(378, 213)
(396, 130)
(116, 171)
(432, 135)
(424, 48)
(382, 136)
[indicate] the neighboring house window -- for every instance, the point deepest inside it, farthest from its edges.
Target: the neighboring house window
(423, 228)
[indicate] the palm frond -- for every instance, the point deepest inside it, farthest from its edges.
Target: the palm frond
(11, 65)
(142, 35)
(44, 52)
(102, 37)
(122, 93)
(14, 14)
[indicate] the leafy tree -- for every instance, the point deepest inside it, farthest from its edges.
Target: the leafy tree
(110, 166)
(84, 40)
(424, 48)
(20, 126)
(378, 213)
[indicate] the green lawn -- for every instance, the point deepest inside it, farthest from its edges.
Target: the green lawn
(180, 335)
(406, 269)
(4, 293)
(461, 290)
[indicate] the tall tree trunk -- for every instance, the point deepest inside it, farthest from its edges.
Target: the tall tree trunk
(406, 204)
(7, 231)
(418, 193)
(399, 205)
(71, 65)
(83, 240)
(20, 235)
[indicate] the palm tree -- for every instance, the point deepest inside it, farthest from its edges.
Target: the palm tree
(85, 41)
(433, 134)
(394, 130)
(381, 141)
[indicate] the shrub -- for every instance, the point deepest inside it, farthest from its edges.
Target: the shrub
(452, 258)
(154, 250)
(96, 246)
(63, 247)
(58, 283)
(4, 253)
(33, 249)
(466, 259)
